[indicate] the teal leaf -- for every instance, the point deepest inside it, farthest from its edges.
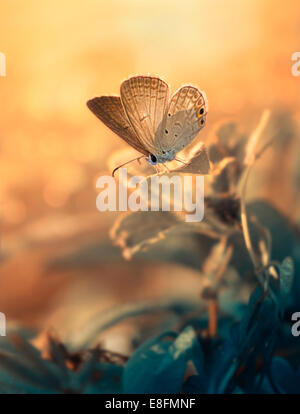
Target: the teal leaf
(159, 365)
(286, 275)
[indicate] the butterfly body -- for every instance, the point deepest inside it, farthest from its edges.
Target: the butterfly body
(148, 121)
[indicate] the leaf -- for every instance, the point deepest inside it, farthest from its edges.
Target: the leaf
(285, 241)
(285, 379)
(195, 384)
(284, 238)
(140, 371)
(186, 345)
(224, 175)
(162, 237)
(16, 371)
(103, 379)
(252, 336)
(286, 277)
(197, 162)
(227, 134)
(159, 365)
(227, 141)
(151, 226)
(225, 207)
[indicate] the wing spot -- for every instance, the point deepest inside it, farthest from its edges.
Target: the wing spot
(166, 131)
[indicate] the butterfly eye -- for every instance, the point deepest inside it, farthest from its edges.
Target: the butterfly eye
(153, 158)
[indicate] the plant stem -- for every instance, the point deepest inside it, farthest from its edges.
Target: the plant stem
(212, 317)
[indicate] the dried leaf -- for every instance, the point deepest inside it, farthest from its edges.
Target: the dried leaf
(150, 226)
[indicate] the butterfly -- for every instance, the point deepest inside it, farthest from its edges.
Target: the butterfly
(153, 124)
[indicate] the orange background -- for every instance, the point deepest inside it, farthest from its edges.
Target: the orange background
(59, 54)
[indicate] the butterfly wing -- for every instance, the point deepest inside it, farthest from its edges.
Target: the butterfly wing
(110, 111)
(145, 101)
(185, 117)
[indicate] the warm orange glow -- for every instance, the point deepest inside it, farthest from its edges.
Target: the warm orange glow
(61, 53)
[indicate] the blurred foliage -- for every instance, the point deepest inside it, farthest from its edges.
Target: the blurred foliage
(221, 343)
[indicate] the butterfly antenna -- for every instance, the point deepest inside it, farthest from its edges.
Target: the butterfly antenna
(125, 163)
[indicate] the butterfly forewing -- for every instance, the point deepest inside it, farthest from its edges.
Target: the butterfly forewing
(110, 111)
(145, 100)
(185, 117)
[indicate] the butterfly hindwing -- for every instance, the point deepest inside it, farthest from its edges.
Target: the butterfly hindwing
(185, 117)
(110, 111)
(145, 100)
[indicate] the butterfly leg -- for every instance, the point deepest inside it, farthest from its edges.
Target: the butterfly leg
(179, 160)
(167, 169)
(156, 169)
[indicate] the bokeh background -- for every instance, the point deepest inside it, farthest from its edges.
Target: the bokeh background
(58, 266)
